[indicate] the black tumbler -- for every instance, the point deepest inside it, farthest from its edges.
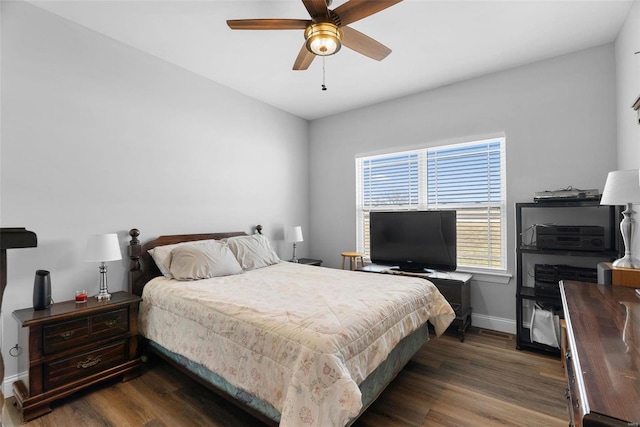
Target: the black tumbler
(42, 290)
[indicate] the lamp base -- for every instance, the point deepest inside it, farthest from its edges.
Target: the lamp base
(103, 293)
(103, 296)
(626, 262)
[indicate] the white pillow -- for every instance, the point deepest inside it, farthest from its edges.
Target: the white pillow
(162, 256)
(202, 260)
(253, 251)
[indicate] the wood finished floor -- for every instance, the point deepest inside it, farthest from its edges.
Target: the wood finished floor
(483, 381)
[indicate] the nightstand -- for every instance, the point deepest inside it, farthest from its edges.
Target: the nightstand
(310, 261)
(71, 346)
(454, 286)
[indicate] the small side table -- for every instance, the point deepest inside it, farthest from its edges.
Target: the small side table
(71, 346)
(353, 259)
(454, 286)
(310, 261)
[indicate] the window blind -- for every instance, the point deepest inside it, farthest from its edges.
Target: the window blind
(467, 177)
(390, 181)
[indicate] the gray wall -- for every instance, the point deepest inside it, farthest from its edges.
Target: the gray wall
(559, 120)
(98, 137)
(627, 91)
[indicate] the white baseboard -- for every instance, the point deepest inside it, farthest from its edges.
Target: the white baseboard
(493, 323)
(7, 385)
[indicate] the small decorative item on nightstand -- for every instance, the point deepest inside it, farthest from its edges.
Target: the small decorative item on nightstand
(102, 248)
(81, 296)
(294, 234)
(42, 290)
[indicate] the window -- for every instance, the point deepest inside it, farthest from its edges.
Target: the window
(467, 177)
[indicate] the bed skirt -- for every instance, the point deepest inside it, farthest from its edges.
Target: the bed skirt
(371, 387)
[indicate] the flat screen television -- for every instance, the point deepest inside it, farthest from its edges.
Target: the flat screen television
(416, 241)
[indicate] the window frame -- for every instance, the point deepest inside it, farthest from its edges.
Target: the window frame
(499, 260)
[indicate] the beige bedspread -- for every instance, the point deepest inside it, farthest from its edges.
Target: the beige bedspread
(299, 337)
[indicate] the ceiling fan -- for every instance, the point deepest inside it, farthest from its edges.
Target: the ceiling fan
(327, 30)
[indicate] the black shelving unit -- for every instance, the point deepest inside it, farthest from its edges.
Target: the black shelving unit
(527, 294)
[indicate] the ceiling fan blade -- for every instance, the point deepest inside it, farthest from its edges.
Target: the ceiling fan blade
(268, 24)
(355, 10)
(304, 59)
(317, 9)
(361, 43)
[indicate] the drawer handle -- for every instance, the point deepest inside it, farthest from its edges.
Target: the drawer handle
(67, 334)
(91, 361)
(111, 323)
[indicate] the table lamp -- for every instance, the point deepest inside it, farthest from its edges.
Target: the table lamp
(294, 234)
(623, 188)
(103, 248)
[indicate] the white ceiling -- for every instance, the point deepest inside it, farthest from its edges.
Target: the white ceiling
(434, 43)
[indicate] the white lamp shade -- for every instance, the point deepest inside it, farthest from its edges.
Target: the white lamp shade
(293, 234)
(103, 247)
(622, 187)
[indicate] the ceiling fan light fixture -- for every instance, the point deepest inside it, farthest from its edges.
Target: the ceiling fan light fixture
(323, 38)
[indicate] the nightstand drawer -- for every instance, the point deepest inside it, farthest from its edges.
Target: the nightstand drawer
(60, 336)
(109, 324)
(64, 371)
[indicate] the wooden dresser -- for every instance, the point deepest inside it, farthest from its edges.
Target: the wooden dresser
(71, 346)
(603, 354)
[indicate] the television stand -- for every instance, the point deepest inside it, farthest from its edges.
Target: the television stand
(453, 285)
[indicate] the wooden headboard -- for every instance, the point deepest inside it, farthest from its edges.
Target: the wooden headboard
(142, 268)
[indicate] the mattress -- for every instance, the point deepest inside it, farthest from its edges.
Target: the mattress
(301, 338)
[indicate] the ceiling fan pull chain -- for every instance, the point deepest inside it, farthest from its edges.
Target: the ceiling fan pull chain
(324, 87)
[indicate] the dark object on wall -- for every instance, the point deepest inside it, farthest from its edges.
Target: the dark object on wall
(42, 290)
(13, 238)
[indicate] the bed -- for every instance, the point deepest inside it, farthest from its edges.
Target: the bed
(292, 344)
